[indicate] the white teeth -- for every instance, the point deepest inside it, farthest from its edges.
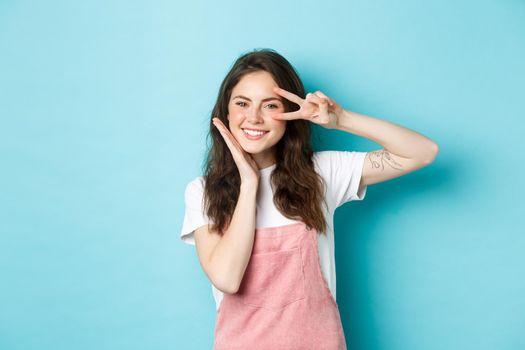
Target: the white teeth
(254, 133)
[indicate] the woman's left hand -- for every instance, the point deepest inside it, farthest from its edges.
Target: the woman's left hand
(316, 107)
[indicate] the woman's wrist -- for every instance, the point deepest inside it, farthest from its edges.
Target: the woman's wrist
(249, 185)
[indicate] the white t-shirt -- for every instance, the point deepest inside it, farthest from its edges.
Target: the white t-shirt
(341, 171)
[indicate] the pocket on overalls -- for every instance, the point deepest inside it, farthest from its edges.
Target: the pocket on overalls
(273, 280)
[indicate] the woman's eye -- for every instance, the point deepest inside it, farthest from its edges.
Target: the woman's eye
(272, 106)
(240, 103)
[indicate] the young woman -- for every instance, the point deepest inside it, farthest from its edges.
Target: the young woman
(262, 215)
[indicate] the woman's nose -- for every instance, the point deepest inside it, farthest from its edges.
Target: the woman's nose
(254, 116)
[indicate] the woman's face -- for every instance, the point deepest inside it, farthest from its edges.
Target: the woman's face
(250, 110)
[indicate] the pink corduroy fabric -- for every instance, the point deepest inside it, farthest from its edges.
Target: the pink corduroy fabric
(283, 301)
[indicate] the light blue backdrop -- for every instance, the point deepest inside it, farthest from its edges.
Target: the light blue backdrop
(104, 107)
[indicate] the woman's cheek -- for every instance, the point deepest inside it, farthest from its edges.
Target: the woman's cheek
(236, 115)
(277, 123)
(269, 116)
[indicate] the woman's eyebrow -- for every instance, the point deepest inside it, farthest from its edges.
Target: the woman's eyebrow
(263, 100)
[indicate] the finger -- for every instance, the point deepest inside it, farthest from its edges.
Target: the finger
(313, 98)
(287, 116)
(239, 155)
(288, 95)
(323, 108)
(320, 94)
(230, 140)
(226, 134)
(323, 116)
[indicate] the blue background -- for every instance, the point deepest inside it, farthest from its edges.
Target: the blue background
(104, 109)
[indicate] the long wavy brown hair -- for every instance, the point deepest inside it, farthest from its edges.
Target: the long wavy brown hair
(298, 189)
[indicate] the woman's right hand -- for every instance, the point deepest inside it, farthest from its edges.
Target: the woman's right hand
(248, 169)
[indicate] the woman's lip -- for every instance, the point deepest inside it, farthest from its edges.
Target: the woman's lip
(250, 137)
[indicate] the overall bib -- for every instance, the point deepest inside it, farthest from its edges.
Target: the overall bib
(283, 302)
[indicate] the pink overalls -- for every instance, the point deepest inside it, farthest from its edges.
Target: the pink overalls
(283, 301)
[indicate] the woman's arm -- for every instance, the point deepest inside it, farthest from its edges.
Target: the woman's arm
(403, 151)
(224, 259)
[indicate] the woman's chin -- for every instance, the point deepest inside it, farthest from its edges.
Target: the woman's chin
(251, 150)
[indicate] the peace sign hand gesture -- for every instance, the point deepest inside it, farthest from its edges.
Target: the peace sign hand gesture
(317, 108)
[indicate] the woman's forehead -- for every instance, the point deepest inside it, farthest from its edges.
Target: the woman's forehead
(255, 86)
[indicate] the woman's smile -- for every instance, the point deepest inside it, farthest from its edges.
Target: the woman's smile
(254, 134)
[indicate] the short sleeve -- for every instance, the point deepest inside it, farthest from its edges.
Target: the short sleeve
(194, 216)
(342, 171)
